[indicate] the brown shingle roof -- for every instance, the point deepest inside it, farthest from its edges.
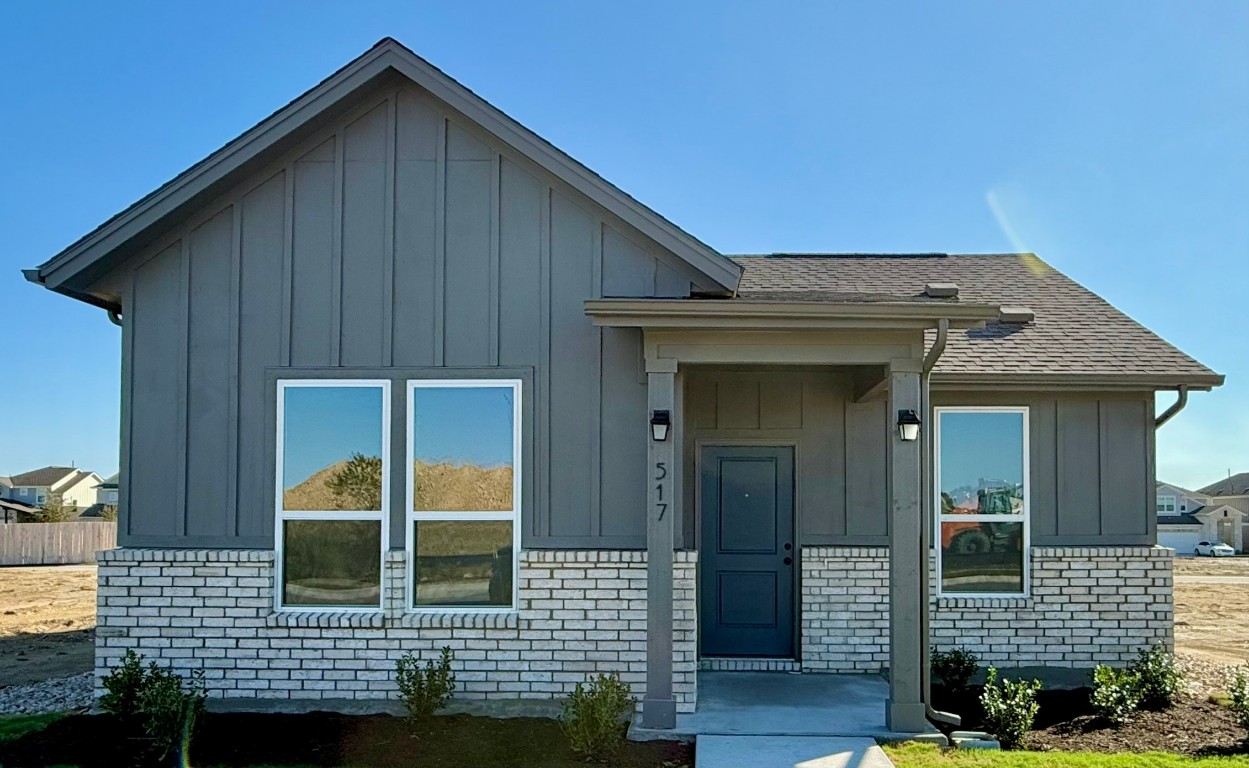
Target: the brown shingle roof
(1075, 332)
(45, 476)
(1236, 485)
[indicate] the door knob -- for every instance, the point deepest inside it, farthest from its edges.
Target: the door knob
(788, 546)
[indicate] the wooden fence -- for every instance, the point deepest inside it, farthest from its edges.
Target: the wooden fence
(55, 543)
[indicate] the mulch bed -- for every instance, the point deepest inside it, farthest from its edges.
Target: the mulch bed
(1066, 723)
(325, 739)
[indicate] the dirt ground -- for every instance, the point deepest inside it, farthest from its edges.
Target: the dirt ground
(47, 617)
(47, 622)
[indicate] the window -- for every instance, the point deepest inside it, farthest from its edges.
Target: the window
(982, 487)
(463, 490)
(332, 485)
(1166, 505)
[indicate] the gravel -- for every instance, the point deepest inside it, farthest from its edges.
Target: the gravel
(56, 695)
(1201, 676)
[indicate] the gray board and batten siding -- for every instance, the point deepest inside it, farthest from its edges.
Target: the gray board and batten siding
(401, 237)
(1091, 454)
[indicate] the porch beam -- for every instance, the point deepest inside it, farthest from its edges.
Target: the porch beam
(905, 710)
(659, 709)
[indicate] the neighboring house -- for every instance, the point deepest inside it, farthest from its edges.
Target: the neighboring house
(1229, 497)
(13, 511)
(75, 487)
(399, 371)
(106, 492)
(1187, 517)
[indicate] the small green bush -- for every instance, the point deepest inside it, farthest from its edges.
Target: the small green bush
(1159, 679)
(953, 670)
(425, 691)
(1009, 709)
(593, 716)
(122, 688)
(155, 700)
(1238, 693)
(1116, 693)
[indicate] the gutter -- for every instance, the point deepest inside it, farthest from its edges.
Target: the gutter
(926, 524)
(1176, 407)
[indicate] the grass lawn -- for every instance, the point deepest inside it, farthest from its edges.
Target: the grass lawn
(929, 756)
(16, 726)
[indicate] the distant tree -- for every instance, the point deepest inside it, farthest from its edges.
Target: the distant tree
(109, 513)
(358, 483)
(53, 510)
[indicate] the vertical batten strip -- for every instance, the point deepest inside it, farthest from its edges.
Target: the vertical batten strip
(288, 260)
(336, 251)
(388, 233)
(232, 424)
(440, 242)
(596, 417)
(184, 318)
(127, 412)
(496, 215)
(542, 517)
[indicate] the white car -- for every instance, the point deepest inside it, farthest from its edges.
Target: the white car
(1213, 549)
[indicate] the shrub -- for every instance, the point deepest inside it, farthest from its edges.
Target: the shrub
(425, 691)
(170, 712)
(593, 714)
(1009, 709)
(1159, 678)
(155, 700)
(953, 670)
(1116, 693)
(123, 687)
(1238, 693)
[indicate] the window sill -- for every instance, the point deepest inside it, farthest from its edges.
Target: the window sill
(987, 601)
(327, 619)
(457, 619)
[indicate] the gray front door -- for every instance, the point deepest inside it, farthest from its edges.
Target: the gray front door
(746, 581)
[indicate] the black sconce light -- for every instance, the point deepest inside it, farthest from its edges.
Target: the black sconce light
(660, 422)
(908, 425)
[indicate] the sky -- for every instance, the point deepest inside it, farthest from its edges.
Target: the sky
(1108, 137)
(323, 426)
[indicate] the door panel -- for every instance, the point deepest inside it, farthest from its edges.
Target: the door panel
(747, 566)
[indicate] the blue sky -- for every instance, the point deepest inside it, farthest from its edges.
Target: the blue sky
(326, 425)
(463, 425)
(980, 446)
(1107, 137)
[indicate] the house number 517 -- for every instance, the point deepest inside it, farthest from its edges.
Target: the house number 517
(661, 473)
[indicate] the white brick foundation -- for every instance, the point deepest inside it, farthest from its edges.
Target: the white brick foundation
(1088, 605)
(581, 612)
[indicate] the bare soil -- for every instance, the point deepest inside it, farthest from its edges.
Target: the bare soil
(1212, 566)
(47, 622)
(1212, 620)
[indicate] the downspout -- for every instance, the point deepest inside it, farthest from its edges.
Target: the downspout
(926, 523)
(114, 317)
(1175, 408)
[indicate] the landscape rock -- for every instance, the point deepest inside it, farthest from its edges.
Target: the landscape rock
(56, 695)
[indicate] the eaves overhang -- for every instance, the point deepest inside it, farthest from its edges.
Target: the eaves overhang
(221, 167)
(1134, 382)
(753, 315)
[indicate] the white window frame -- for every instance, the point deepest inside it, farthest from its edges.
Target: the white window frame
(1025, 517)
(412, 516)
(1175, 504)
(280, 516)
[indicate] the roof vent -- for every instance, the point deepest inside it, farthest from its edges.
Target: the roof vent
(1015, 315)
(941, 290)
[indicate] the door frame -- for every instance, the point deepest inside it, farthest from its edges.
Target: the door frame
(761, 442)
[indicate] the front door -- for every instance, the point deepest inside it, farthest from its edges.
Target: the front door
(746, 581)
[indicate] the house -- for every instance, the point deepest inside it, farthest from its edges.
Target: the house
(75, 487)
(106, 492)
(1187, 517)
(399, 374)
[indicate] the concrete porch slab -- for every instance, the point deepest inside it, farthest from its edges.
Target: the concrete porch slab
(782, 704)
(789, 752)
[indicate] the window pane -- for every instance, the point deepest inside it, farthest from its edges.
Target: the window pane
(332, 449)
(982, 557)
(982, 463)
(463, 563)
(462, 448)
(332, 563)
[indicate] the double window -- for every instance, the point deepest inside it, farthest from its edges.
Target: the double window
(981, 471)
(461, 506)
(1166, 505)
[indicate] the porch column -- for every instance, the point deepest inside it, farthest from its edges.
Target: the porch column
(905, 710)
(659, 708)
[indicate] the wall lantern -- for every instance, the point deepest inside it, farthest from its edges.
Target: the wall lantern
(660, 422)
(908, 426)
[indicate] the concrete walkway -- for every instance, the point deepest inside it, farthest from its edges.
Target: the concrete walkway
(789, 752)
